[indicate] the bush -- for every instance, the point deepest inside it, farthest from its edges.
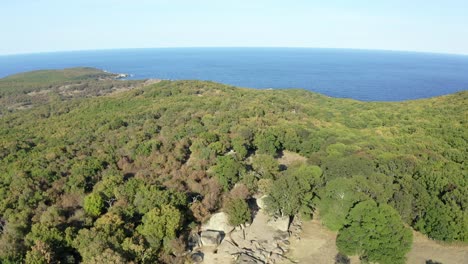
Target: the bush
(93, 204)
(238, 211)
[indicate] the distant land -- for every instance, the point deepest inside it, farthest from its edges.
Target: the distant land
(368, 75)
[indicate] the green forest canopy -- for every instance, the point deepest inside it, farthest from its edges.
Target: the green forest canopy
(95, 179)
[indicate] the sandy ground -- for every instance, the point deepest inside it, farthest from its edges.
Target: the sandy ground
(425, 249)
(317, 245)
(210, 257)
(287, 158)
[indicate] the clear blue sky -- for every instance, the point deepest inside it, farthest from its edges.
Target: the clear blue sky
(55, 25)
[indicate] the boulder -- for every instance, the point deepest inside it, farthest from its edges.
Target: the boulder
(211, 238)
(218, 222)
(197, 257)
(193, 241)
(261, 202)
(279, 223)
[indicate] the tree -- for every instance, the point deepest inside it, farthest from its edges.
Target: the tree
(40, 253)
(228, 170)
(443, 222)
(160, 224)
(11, 243)
(375, 233)
(294, 192)
(240, 147)
(107, 232)
(238, 211)
(108, 256)
(93, 204)
(337, 198)
(149, 196)
(266, 143)
(265, 165)
(49, 235)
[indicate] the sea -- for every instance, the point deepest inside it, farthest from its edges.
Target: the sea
(367, 75)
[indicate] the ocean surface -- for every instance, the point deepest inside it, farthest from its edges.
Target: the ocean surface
(358, 74)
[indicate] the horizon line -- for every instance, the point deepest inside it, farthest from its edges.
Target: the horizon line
(230, 47)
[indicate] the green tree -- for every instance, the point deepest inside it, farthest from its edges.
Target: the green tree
(228, 170)
(295, 191)
(93, 204)
(265, 165)
(266, 142)
(40, 253)
(443, 222)
(238, 211)
(239, 145)
(108, 232)
(337, 198)
(149, 196)
(375, 233)
(160, 224)
(108, 256)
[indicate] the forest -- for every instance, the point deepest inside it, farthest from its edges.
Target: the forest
(98, 176)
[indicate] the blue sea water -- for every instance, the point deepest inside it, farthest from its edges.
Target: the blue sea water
(358, 74)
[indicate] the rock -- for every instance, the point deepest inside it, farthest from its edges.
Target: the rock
(193, 241)
(284, 246)
(278, 251)
(275, 258)
(218, 222)
(279, 223)
(211, 238)
(246, 259)
(261, 202)
(228, 247)
(197, 257)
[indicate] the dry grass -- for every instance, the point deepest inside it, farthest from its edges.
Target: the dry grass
(425, 249)
(287, 158)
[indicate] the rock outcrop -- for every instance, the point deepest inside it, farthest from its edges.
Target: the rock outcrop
(211, 238)
(218, 222)
(261, 202)
(279, 223)
(264, 241)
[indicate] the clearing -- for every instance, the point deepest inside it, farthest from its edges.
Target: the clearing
(317, 245)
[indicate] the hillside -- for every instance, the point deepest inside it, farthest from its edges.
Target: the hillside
(125, 177)
(25, 90)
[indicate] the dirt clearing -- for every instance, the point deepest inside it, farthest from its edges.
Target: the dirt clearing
(317, 245)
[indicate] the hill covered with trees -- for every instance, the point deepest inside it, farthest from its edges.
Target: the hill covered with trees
(125, 177)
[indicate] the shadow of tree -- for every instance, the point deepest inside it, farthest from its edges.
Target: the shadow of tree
(430, 261)
(342, 259)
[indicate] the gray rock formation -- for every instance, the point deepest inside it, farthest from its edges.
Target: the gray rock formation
(211, 238)
(218, 222)
(261, 202)
(264, 241)
(197, 257)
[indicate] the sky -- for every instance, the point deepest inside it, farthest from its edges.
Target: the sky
(30, 26)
